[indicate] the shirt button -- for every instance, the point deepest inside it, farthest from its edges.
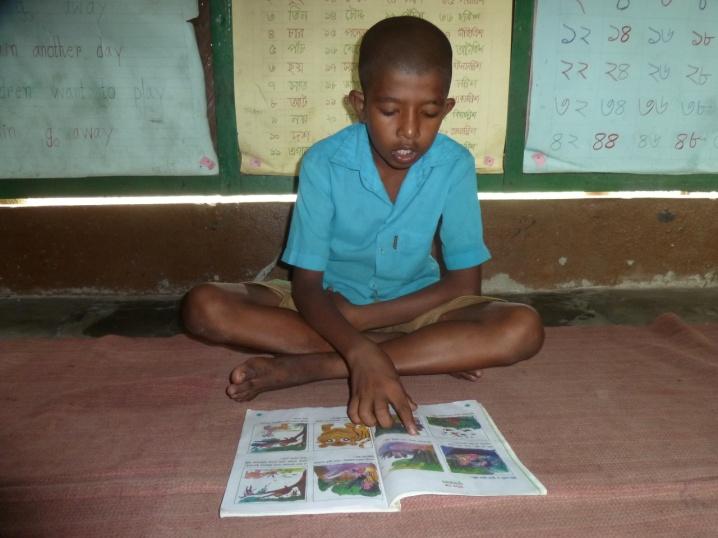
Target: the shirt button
(381, 250)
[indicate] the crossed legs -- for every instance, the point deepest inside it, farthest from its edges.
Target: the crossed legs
(462, 342)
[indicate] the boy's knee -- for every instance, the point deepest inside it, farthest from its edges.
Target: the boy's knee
(199, 308)
(525, 333)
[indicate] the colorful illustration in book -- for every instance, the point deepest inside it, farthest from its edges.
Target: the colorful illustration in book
(349, 479)
(279, 437)
(473, 460)
(405, 455)
(343, 434)
(273, 485)
(397, 427)
(461, 427)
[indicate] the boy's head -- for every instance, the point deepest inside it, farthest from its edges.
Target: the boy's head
(405, 75)
(407, 44)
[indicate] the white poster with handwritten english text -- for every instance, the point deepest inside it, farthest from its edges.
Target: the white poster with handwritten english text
(101, 88)
(624, 86)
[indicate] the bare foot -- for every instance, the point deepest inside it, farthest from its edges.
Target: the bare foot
(263, 373)
(470, 375)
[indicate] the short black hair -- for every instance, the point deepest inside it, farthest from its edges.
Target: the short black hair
(409, 44)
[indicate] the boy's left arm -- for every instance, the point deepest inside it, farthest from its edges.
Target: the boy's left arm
(402, 309)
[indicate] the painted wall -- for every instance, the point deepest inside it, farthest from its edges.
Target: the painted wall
(536, 245)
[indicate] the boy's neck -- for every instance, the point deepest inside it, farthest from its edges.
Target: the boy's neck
(391, 178)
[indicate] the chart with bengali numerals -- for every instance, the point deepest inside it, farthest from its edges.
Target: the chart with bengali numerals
(295, 61)
(624, 86)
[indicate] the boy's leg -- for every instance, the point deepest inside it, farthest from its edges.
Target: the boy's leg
(467, 339)
(248, 315)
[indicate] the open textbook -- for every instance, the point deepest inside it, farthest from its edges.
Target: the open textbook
(314, 460)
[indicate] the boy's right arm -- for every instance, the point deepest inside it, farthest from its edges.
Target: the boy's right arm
(375, 384)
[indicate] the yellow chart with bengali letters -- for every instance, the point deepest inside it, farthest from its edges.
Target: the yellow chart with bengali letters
(295, 61)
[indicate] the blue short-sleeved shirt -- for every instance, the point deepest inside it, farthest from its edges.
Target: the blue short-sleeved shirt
(369, 248)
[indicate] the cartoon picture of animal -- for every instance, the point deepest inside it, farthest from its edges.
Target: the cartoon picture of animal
(347, 435)
(287, 484)
(279, 437)
(348, 479)
(409, 455)
(474, 461)
(459, 426)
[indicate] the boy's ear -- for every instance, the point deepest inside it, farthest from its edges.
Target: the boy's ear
(448, 106)
(356, 100)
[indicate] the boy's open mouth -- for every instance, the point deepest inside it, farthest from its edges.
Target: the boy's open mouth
(404, 155)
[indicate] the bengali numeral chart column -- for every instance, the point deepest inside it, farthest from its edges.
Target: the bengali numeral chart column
(623, 86)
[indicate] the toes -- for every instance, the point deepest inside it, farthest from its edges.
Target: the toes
(250, 369)
(243, 380)
(242, 373)
(233, 391)
(240, 393)
(472, 375)
(257, 374)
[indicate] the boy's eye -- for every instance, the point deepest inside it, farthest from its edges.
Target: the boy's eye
(386, 112)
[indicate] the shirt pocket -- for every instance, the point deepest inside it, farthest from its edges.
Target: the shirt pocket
(407, 256)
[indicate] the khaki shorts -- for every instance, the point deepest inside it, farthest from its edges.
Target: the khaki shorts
(283, 289)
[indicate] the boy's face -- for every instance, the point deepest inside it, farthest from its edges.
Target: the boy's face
(403, 112)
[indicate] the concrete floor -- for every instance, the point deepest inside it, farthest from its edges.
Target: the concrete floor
(158, 316)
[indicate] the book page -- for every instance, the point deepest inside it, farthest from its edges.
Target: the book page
(623, 86)
(303, 461)
(296, 60)
(314, 460)
(459, 451)
(101, 88)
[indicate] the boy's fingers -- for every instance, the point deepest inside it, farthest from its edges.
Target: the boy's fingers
(353, 411)
(407, 418)
(383, 416)
(366, 413)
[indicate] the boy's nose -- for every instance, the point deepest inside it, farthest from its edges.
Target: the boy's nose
(409, 127)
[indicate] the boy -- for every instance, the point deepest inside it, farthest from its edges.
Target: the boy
(367, 301)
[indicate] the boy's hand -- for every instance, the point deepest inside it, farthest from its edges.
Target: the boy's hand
(375, 386)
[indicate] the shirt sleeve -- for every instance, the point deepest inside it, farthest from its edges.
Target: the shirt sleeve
(462, 234)
(311, 224)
